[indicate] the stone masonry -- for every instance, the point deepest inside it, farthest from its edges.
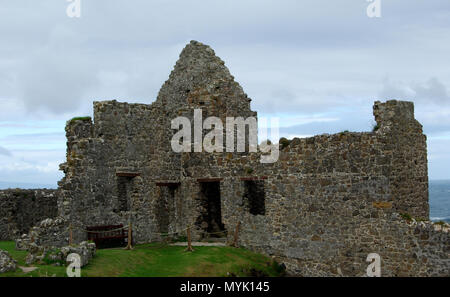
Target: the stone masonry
(22, 209)
(328, 202)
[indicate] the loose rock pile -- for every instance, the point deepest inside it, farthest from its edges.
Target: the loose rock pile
(58, 256)
(6, 262)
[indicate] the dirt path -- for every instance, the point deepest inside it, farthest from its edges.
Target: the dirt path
(197, 243)
(27, 269)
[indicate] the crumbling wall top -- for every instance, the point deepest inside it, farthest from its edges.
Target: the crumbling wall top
(397, 115)
(78, 128)
(199, 70)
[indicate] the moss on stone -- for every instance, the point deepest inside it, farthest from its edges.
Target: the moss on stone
(284, 142)
(406, 216)
(53, 257)
(375, 127)
(86, 118)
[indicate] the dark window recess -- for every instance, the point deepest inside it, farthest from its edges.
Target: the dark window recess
(124, 190)
(254, 197)
(210, 219)
(164, 208)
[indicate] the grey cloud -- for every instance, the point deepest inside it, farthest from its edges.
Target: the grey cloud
(5, 152)
(290, 56)
(57, 81)
(393, 90)
(355, 121)
(438, 158)
(430, 91)
(63, 59)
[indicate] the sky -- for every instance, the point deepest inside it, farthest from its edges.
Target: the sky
(318, 65)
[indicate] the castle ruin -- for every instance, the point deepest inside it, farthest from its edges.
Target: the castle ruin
(328, 202)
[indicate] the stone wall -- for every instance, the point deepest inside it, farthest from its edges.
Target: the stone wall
(328, 202)
(132, 141)
(22, 209)
(327, 192)
(406, 248)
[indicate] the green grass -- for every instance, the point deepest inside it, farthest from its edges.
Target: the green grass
(161, 260)
(19, 256)
(86, 118)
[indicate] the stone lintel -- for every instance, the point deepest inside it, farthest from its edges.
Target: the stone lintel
(247, 178)
(167, 184)
(209, 180)
(127, 174)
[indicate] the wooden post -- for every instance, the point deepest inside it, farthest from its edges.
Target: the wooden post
(236, 233)
(70, 235)
(130, 230)
(189, 247)
(31, 234)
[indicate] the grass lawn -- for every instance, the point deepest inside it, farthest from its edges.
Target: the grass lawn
(160, 260)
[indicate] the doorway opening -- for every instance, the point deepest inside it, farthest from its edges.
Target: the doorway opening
(165, 208)
(210, 219)
(124, 191)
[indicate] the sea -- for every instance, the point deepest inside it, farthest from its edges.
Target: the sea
(439, 191)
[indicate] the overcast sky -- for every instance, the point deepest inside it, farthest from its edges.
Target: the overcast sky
(317, 64)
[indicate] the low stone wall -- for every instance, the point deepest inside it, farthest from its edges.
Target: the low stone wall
(22, 209)
(51, 232)
(406, 248)
(58, 256)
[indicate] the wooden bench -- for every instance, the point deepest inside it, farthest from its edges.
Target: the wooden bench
(108, 236)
